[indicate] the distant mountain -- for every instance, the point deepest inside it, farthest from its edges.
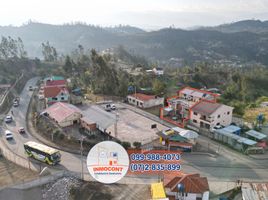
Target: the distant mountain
(162, 45)
(124, 29)
(255, 26)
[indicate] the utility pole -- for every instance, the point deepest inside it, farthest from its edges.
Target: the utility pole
(81, 150)
(115, 125)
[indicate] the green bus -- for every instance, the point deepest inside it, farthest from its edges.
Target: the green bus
(42, 153)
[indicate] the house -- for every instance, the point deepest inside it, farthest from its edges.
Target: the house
(187, 187)
(144, 101)
(206, 114)
(54, 94)
(55, 81)
(64, 114)
(178, 107)
(88, 125)
(158, 71)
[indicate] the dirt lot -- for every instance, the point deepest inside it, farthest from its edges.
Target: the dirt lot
(12, 174)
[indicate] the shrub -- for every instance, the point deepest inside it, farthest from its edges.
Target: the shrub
(126, 145)
(137, 145)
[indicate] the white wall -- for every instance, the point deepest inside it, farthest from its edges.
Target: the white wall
(145, 104)
(225, 119)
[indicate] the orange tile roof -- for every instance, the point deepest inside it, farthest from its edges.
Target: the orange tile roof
(193, 183)
(143, 97)
(53, 91)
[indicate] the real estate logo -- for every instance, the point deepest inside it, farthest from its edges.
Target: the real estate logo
(107, 162)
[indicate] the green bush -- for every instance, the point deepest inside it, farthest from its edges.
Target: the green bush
(137, 145)
(126, 145)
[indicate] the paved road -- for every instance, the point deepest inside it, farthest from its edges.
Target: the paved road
(229, 165)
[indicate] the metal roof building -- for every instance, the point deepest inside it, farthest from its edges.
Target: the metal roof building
(102, 118)
(235, 141)
(256, 135)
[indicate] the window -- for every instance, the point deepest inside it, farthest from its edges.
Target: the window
(55, 98)
(219, 116)
(194, 121)
(228, 113)
(62, 98)
(195, 113)
(141, 104)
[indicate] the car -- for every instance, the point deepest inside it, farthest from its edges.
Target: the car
(8, 135)
(15, 103)
(30, 88)
(8, 119)
(168, 132)
(217, 127)
(107, 107)
(41, 96)
(113, 107)
(21, 130)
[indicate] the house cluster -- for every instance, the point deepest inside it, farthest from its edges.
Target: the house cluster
(144, 101)
(53, 90)
(197, 107)
(181, 186)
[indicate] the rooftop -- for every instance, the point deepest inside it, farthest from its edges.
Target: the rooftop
(60, 111)
(236, 137)
(55, 83)
(198, 93)
(192, 183)
(256, 134)
(53, 91)
(143, 97)
(232, 129)
(205, 108)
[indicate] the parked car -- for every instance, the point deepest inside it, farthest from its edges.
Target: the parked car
(15, 103)
(30, 88)
(41, 96)
(8, 135)
(217, 127)
(113, 107)
(21, 130)
(8, 119)
(108, 107)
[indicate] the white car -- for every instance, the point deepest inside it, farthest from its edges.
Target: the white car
(113, 107)
(41, 96)
(8, 119)
(9, 135)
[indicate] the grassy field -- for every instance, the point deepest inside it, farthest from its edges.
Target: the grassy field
(251, 114)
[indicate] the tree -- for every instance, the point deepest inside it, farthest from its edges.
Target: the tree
(49, 52)
(159, 87)
(68, 64)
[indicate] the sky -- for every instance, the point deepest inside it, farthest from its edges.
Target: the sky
(146, 14)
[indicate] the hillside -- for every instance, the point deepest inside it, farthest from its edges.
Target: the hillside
(255, 26)
(191, 46)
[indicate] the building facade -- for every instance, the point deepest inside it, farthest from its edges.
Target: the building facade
(208, 115)
(144, 101)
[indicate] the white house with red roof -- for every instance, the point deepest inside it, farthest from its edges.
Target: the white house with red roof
(206, 114)
(64, 114)
(144, 101)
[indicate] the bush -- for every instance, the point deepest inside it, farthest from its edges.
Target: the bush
(61, 136)
(126, 145)
(137, 145)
